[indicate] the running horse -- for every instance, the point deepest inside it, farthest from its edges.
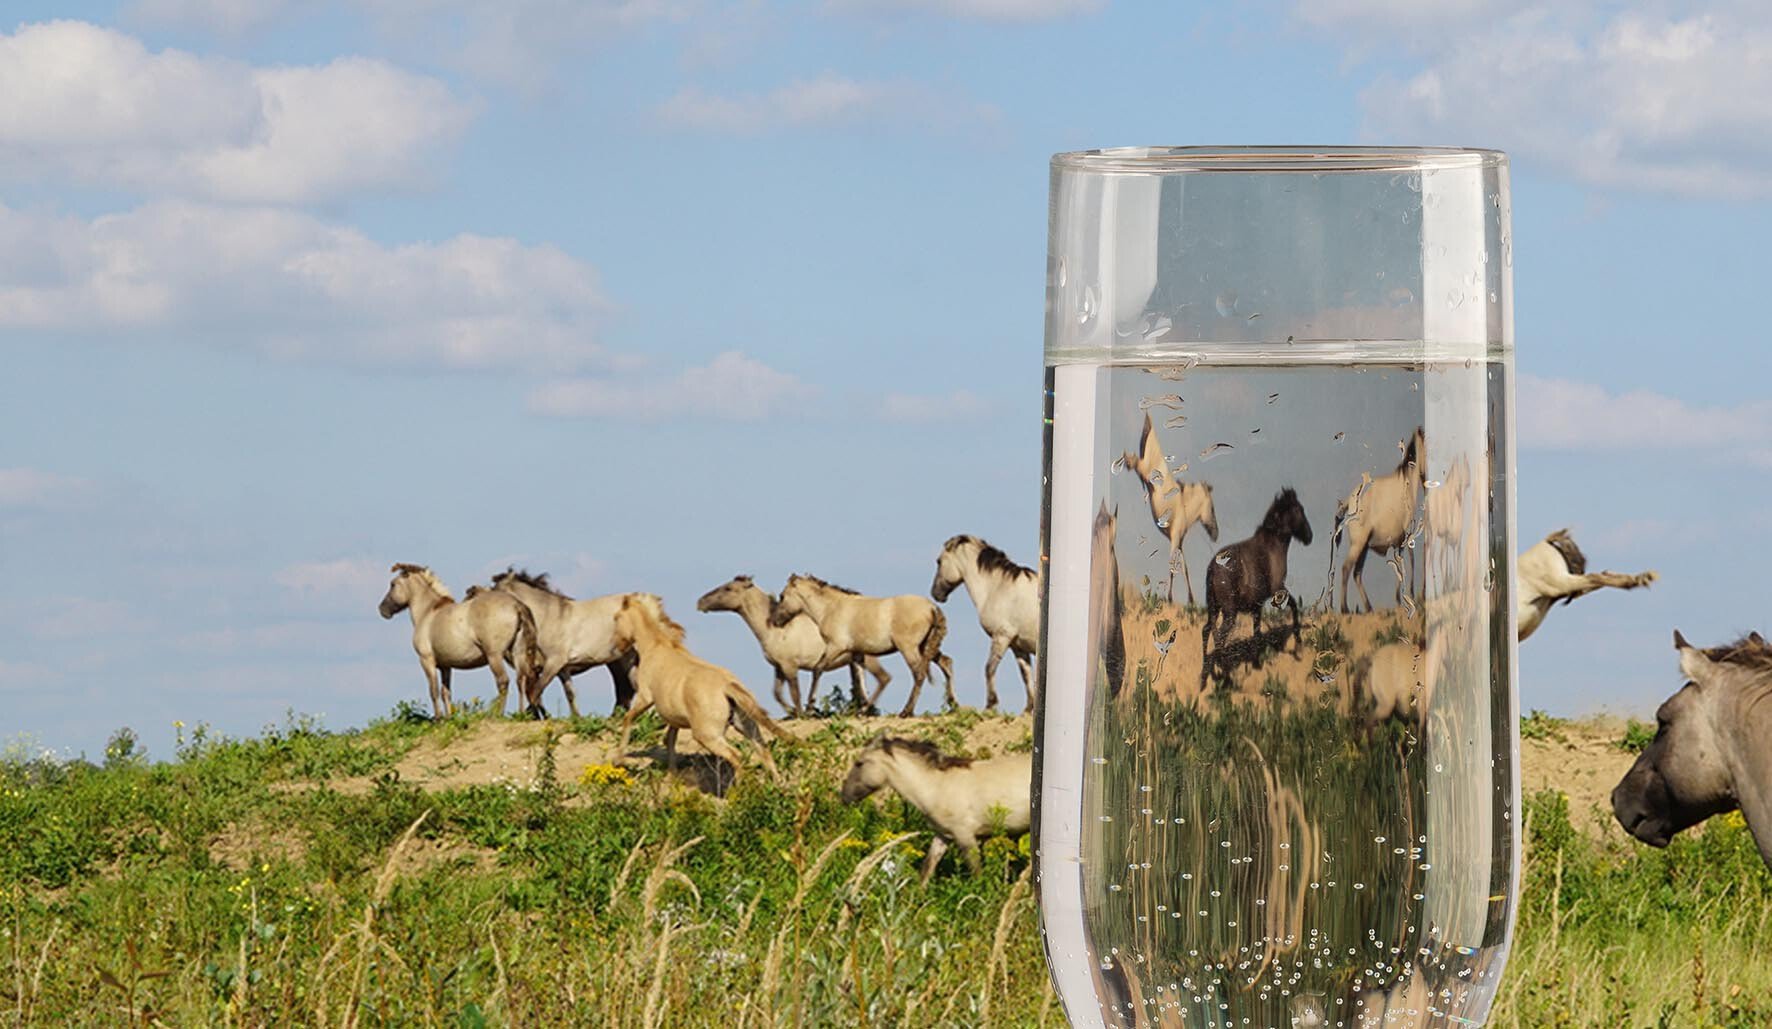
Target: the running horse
(1245, 576)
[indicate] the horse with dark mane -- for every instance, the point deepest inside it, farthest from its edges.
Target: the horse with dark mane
(1007, 597)
(574, 635)
(1710, 752)
(967, 800)
(1247, 575)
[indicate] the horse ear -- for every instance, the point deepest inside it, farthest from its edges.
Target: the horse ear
(1694, 663)
(1756, 639)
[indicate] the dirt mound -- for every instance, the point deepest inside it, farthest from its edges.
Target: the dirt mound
(1584, 762)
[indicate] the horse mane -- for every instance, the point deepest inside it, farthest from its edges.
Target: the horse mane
(653, 606)
(1270, 522)
(474, 591)
(993, 560)
(924, 751)
(523, 575)
(816, 581)
(1749, 652)
(1409, 455)
(428, 577)
(1572, 555)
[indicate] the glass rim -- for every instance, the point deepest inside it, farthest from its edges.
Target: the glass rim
(1167, 160)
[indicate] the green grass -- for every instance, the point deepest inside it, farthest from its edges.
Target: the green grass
(635, 902)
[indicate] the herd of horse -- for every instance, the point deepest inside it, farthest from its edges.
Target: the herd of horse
(520, 624)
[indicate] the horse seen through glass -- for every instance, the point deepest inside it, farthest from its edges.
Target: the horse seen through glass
(1277, 771)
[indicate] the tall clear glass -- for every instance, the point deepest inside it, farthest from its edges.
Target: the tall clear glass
(1277, 775)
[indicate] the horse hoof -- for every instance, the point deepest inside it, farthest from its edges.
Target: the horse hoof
(907, 713)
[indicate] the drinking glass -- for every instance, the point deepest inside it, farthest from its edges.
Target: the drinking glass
(1277, 774)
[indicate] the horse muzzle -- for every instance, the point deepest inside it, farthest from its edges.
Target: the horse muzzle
(941, 590)
(388, 608)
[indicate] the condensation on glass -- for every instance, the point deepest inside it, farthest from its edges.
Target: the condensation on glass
(1277, 775)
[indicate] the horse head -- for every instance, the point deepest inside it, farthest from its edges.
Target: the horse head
(868, 773)
(399, 595)
(948, 573)
(1684, 775)
(727, 596)
(1285, 517)
(792, 601)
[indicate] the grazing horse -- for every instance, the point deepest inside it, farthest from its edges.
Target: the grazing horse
(575, 636)
(1175, 505)
(1246, 575)
(487, 629)
(788, 648)
(1107, 606)
(1710, 752)
(1378, 516)
(1397, 681)
(689, 693)
(853, 624)
(1007, 597)
(1555, 569)
(966, 800)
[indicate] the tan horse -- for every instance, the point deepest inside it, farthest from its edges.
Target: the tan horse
(1555, 569)
(853, 624)
(688, 692)
(1107, 605)
(1378, 516)
(1175, 505)
(1007, 598)
(486, 629)
(967, 800)
(575, 636)
(789, 648)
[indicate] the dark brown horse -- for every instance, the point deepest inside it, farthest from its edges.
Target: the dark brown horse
(1246, 575)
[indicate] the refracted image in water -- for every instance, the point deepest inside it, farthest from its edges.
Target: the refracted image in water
(1297, 767)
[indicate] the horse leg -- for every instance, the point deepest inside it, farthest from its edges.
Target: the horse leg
(946, 664)
(671, 749)
(811, 696)
(571, 696)
(448, 696)
(1027, 677)
(1360, 577)
(1227, 621)
(781, 694)
(500, 679)
(627, 723)
(858, 698)
(998, 646)
(1346, 565)
(919, 671)
(532, 693)
(878, 671)
(1186, 579)
(716, 744)
(1205, 651)
(621, 674)
(969, 850)
(938, 845)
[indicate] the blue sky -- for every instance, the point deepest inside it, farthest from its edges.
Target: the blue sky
(649, 292)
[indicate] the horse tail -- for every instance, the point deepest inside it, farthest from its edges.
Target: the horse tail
(747, 710)
(528, 650)
(930, 649)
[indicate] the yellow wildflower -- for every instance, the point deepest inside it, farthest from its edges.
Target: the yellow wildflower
(604, 775)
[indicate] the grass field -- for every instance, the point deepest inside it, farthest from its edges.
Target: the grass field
(479, 872)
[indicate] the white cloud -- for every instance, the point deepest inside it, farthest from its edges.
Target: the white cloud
(984, 10)
(1559, 414)
(36, 489)
(515, 43)
(827, 99)
(349, 579)
(293, 638)
(94, 105)
(933, 407)
(296, 286)
(1660, 102)
(731, 387)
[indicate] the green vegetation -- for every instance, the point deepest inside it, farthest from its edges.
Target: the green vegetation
(1637, 735)
(295, 879)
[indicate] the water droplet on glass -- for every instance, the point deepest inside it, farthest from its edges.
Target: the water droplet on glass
(1432, 484)
(1214, 450)
(1176, 422)
(1086, 306)
(1271, 397)
(1454, 297)
(1165, 400)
